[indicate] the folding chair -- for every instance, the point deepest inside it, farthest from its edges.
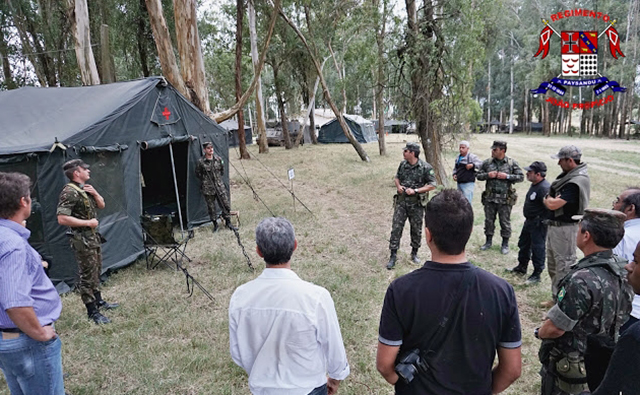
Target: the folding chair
(159, 241)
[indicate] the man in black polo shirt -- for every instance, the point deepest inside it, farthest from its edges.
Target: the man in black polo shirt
(568, 196)
(534, 231)
(486, 320)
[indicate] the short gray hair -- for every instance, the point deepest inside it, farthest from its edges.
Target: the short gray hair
(276, 239)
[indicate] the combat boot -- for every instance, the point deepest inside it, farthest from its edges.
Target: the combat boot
(533, 279)
(103, 304)
(519, 270)
(414, 256)
(94, 314)
(487, 244)
(392, 259)
(504, 249)
(215, 226)
(227, 221)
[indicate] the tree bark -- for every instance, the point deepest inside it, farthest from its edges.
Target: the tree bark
(379, 91)
(263, 147)
(190, 50)
(108, 73)
(242, 144)
(325, 89)
(283, 116)
(164, 46)
(141, 38)
(81, 33)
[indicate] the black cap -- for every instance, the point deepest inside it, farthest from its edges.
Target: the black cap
(499, 144)
(74, 164)
(537, 167)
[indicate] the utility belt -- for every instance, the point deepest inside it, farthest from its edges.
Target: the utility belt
(510, 197)
(421, 198)
(568, 371)
(551, 222)
(85, 239)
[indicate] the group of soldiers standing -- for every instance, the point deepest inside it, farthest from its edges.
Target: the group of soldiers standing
(591, 298)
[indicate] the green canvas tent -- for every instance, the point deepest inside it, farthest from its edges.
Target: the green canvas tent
(362, 129)
(142, 140)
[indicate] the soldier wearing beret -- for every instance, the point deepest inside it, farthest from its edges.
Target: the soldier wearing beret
(210, 172)
(593, 301)
(531, 243)
(414, 179)
(77, 209)
(500, 172)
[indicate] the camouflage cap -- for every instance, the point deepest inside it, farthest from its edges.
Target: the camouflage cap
(612, 218)
(412, 147)
(499, 144)
(74, 164)
(569, 152)
(536, 167)
(206, 144)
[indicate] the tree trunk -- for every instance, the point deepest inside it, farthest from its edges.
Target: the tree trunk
(141, 38)
(263, 147)
(108, 73)
(242, 144)
(164, 46)
(325, 89)
(223, 116)
(190, 50)
(511, 91)
(6, 66)
(380, 34)
(489, 97)
(81, 34)
(281, 110)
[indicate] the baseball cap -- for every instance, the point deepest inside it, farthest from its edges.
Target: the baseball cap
(536, 167)
(412, 147)
(612, 218)
(499, 144)
(568, 151)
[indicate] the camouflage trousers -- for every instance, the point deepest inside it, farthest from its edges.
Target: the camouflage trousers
(223, 202)
(503, 211)
(89, 267)
(403, 210)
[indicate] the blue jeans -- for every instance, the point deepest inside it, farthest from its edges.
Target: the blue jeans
(322, 390)
(32, 367)
(467, 190)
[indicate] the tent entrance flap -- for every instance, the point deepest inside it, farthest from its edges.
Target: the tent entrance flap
(158, 188)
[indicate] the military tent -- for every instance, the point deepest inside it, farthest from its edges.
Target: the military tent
(231, 127)
(142, 140)
(361, 128)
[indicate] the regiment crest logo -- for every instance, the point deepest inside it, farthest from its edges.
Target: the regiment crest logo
(579, 52)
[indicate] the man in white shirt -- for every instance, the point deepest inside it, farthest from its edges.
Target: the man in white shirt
(284, 331)
(629, 203)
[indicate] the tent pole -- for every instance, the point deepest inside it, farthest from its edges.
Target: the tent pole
(175, 184)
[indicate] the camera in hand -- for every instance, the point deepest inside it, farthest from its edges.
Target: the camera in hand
(411, 365)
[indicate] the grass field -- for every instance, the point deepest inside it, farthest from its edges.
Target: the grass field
(163, 342)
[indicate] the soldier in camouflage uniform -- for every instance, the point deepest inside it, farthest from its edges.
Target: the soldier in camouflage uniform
(210, 172)
(414, 179)
(500, 172)
(593, 302)
(77, 208)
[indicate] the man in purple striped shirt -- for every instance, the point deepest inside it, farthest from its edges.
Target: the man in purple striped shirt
(30, 350)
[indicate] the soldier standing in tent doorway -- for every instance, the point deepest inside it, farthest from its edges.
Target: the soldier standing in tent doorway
(414, 179)
(77, 209)
(210, 171)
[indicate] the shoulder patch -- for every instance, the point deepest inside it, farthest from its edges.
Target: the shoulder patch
(431, 172)
(561, 294)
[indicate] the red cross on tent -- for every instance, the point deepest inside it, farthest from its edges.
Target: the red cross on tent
(166, 113)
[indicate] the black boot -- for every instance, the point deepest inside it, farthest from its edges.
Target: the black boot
(215, 225)
(227, 221)
(102, 304)
(414, 256)
(519, 270)
(392, 259)
(534, 278)
(94, 314)
(487, 244)
(504, 249)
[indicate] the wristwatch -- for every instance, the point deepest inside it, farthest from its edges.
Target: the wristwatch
(535, 333)
(415, 190)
